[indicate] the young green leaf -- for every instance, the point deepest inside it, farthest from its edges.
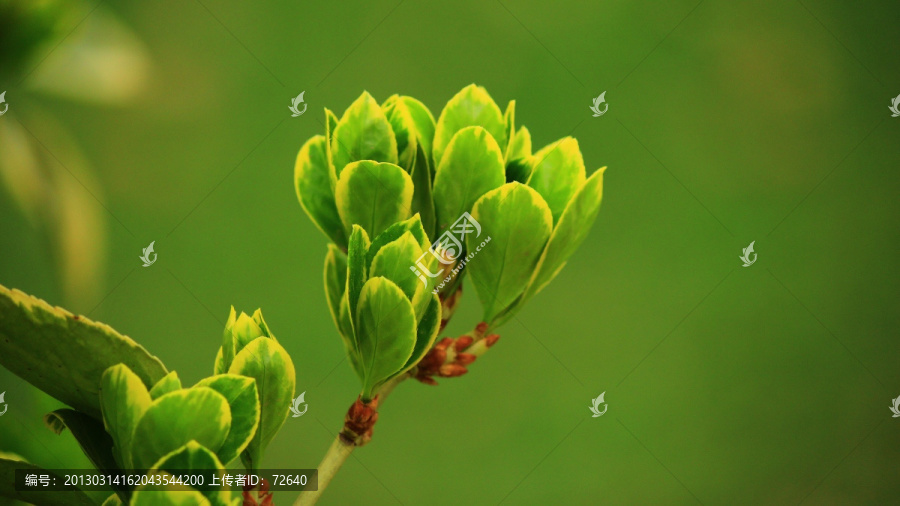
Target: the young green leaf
(423, 194)
(471, 166)
(363, 133)
(193, 457)
(568, 234)
(557, 173)
(424, 122)
(270, 365)
(331, 122)
(261, 322)
(239, 331)
(169, 383)
(392, 233)
(219, 365)
(227, 350)
(314, 189)
(112, 500)
(509, 120)
(335, 281)
(570, 231)
(413, 127)
(199, 413)
(124, 400)
(357, 272)
(410, 119)
(472, 106)
(394, 260)
(373, 195)
(404, 132)
(38, 343)
(345, 328)
(245, 330)
(518, 157)
(243, 401)
(387, 332)
(518, 222)
(426, 331)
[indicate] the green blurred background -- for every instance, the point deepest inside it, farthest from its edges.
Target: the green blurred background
(728, 122)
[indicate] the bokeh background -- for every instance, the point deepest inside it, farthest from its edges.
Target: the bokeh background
(728, 122)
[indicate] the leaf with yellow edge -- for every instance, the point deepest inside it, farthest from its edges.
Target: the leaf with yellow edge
(198, 413)
(557, 173)
(270, 365)
(386, 332)
(363, 133)
(243, 402)
(568, 234)
(472, 165)
(472, 106)
(124, 400)
(65, 354)
(373, 195)
(315, 191)
(518, 222)
(169, 383)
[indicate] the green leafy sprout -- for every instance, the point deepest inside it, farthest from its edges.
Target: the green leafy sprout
(386, 184)
(129, 412)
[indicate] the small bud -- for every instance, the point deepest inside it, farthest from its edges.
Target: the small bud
(438, 357)
(465, 358)
(360, 421)
(427, 380)
(444, 343)
(452, 370)
(491, 340)
(239, 331)
(264, 496)
(463, 342)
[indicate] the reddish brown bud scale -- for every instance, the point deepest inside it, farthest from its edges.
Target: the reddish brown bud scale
(463, 342)
(452, 370)
(427, 380)
(491, 340)
(360, 421)
(465, 358)
(264, 496)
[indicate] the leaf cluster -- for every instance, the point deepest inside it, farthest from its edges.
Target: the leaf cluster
(385, 184)
(129, 412)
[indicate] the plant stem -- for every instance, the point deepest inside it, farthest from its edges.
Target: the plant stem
(342, 447)
(331, 463)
